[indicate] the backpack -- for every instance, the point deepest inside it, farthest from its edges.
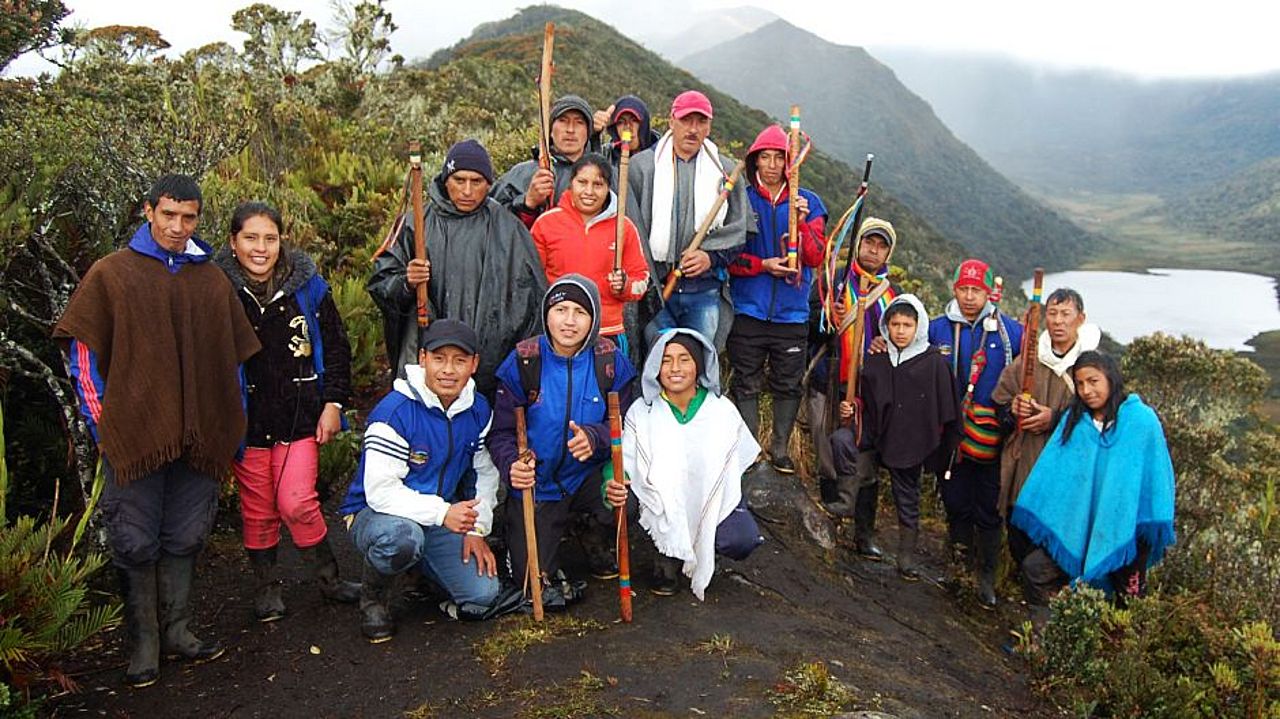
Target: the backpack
(529, 365)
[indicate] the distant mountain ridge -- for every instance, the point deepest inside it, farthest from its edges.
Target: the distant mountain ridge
(852, 104)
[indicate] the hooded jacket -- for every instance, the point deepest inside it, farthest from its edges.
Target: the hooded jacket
(566, 243)
(757, 293)
(305, 360)
(569, 390)
(628, 103)
(942, 334)
(484, 272)
(908, 401)
(510, 188)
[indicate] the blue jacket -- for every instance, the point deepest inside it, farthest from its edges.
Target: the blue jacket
(942, 336)
(761, 295)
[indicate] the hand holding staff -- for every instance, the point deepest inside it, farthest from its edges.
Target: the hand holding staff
(670, 287)
(624, 547)
(793, 189)
(544, 101)
(533, 574)
(419, 224)
(1030, 345)
(620, 234)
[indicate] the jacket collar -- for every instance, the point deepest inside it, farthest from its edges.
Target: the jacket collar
(414, 386)
(195, 252)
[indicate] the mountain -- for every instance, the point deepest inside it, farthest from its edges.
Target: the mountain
(852, 104)
(1244, 207)
(598, 63)
(704, 30)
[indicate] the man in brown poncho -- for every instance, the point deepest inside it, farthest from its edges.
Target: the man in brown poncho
(155, 337)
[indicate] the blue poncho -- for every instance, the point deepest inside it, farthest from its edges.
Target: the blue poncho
(1088, 502)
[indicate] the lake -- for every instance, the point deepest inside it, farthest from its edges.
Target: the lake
(1225, 309)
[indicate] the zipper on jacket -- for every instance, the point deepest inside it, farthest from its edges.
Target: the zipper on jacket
(448, 455)
(773, 281)
(564, 433)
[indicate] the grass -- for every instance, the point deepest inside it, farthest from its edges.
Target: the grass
(515, 634)
(808, 689)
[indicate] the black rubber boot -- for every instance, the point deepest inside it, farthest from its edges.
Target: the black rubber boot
(375, 616)
(268, 598)
(174, 576)
(784, 418)
(846, 501)
(907, 567)
(960, 538)
(749, 408)
(666, 575)
(602, 559)
(139, 585)
(864, 522)
(988, 559)
(324, 566)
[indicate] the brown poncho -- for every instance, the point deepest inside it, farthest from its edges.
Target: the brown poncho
(168, 348)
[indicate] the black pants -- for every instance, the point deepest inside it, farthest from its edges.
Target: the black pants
(754, 343)
(551, 519)
(170, 510)
(906, 495)
(972, 493)
(1042, 577)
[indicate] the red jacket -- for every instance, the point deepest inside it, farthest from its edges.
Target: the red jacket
(568, 244)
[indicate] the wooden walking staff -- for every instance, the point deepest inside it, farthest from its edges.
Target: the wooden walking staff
(544, 100)
(533, 574)
(860, 307)
(1030, 345)
(670, 287)
(624, 546)
(621, 233)
(793, 188)
(419, 223)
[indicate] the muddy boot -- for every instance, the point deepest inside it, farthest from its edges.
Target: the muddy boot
(324, 567)
(907, 567)
(864, 523)
(174, 576)
(960, 542)
(375, 616)
(784, 418)
(988, 558)
(140, 622)
(268, 602)
(666, 575)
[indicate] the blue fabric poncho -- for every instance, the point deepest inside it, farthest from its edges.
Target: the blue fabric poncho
(1088, 502)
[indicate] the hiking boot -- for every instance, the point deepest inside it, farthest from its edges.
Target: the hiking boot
(908, 569)
(174, 576)
(864, 523)
(325, 569)
(376, 622)
(268, 599)
(988, 559)
(784, 418)
(141, 625)
(560, 593)
(666, 576)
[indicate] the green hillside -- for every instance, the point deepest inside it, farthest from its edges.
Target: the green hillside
(852, 105)
(599, 63)
(1244, 208)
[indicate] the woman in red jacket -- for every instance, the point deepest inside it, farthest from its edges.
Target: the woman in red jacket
(579, 234)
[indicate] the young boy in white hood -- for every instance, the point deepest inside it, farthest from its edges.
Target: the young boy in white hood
(908, 408)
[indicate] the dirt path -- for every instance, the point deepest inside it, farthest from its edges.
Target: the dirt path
(772, 630)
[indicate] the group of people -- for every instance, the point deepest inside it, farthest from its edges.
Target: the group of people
(236, 359)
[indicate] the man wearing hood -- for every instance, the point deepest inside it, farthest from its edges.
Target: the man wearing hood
(1065, 335)
(684, 450)
(161, 324)
(483, 268)
(562, 379)
(628, 114)
(526, 189)
(979, 342)
(771, 299)
(673, 185)
(909, 407)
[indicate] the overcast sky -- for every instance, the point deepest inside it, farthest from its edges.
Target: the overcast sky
(1143, 37)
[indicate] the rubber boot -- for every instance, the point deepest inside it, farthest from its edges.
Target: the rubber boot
(960, 538)
(988, 558)
(139, 585)
(601, 553)
(784, 418)
(174, 576)
(846, 503)
(749, 408)
(268, 599)
(864, 522)
(324, 567)
(666, 575)
(907, 567)
(376, 622)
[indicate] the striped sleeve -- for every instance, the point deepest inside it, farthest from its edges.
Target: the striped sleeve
(386, 464)
(90, 387)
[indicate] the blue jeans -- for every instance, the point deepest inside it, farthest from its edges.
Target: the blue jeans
(692, 310)
(392, 545)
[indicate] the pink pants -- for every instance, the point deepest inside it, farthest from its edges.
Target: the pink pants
(280, 484)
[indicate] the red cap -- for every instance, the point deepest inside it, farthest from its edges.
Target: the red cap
(973, 273)
(690, 101)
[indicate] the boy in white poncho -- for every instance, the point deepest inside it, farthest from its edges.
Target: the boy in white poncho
(684, 449)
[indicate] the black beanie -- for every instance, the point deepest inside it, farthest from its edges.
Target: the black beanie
(696, 350)
(567, 292)
(467, 155)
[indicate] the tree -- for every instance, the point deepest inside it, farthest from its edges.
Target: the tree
(27, 25)
(363, 32)
(279, 41)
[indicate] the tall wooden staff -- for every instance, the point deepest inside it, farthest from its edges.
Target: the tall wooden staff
(860, 307)
(620, 235)
(1030, 341)
(793, 188)
(533, 574)
(670, 287)
(419, 224)
(624, 546)
(544, 101)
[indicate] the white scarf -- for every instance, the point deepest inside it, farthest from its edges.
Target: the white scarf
(1087, 338)
(708, 172)
(688, 478)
